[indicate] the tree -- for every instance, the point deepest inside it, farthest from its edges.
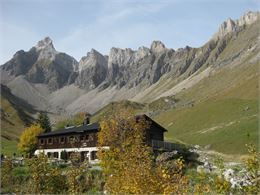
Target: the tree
(28, 139)
(128, 162)
(76, 174)
(44, 122)
(252, 167)
(6, 176)
(44, 178)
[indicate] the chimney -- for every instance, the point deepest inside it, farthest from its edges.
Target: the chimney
(87, 119)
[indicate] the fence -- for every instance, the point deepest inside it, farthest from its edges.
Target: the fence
(156, 144)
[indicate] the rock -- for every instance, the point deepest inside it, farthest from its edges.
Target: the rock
(230, 25)
(42, 64)
(228, 174)
(248, 18)
(157, 47)
(207, 146)
(200, 169)
(46, 49)
(246, 108)
(92, 70)
(124, 73)
(166, 156)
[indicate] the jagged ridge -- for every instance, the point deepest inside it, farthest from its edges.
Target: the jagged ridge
(126, 72)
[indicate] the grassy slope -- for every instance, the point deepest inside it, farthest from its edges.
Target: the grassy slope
(220, 117)
(223, 124)
(11, 125)
(116, 106)
(15, 117)
(11, 128)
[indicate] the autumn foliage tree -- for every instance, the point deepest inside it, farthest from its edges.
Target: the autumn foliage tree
(129, 163)
(128, 160)
(28, 139)
(44, 178)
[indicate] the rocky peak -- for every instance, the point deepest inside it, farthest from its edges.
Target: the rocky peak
(248, 18)
(93, 58)
(121, 57)
(142, 52)
(226, 27)
(232, 25)
(46, 49)
(46, 42)
(92, 70)
(157, 47)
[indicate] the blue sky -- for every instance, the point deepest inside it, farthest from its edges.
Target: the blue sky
(76, 26)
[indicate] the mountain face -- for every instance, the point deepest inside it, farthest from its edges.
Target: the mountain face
(57, 82)
(92, 70)
(230, 25)
(42, 64)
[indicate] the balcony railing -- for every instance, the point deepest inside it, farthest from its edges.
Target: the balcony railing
(156, 144)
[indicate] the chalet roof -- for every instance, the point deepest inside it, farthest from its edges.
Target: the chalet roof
(93, 127)
(69, 130)
(152, 121)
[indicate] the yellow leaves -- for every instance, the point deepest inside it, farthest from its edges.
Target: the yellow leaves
(129, 165)
(28, 139)
(45, 179)
(202, 189)
(171, 181)
(6, 168)
(252, 166)
(221, 185)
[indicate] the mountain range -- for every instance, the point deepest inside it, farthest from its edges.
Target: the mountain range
(160, 79)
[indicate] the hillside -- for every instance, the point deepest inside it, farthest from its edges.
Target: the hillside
(15, 115)
(225, 119)
(206, 95)
(53, 81)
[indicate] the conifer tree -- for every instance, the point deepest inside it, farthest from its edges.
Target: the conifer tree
(44, 122)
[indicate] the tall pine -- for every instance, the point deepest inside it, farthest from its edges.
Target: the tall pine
(44, 122)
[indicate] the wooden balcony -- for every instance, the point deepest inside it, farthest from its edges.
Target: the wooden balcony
(161, 145)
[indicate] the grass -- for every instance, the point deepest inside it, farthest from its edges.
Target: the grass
(219, 118)
(15, 115)
(225, 125)
(11, 128)
(117, 106)
(8, 147)
(11, 125)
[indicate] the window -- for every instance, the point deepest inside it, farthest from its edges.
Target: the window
(49, 140)
(62, 140)
(71, 139)
(93, 155)
(56, 155)
(49, 154)
(82, 138)
(41, 141)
